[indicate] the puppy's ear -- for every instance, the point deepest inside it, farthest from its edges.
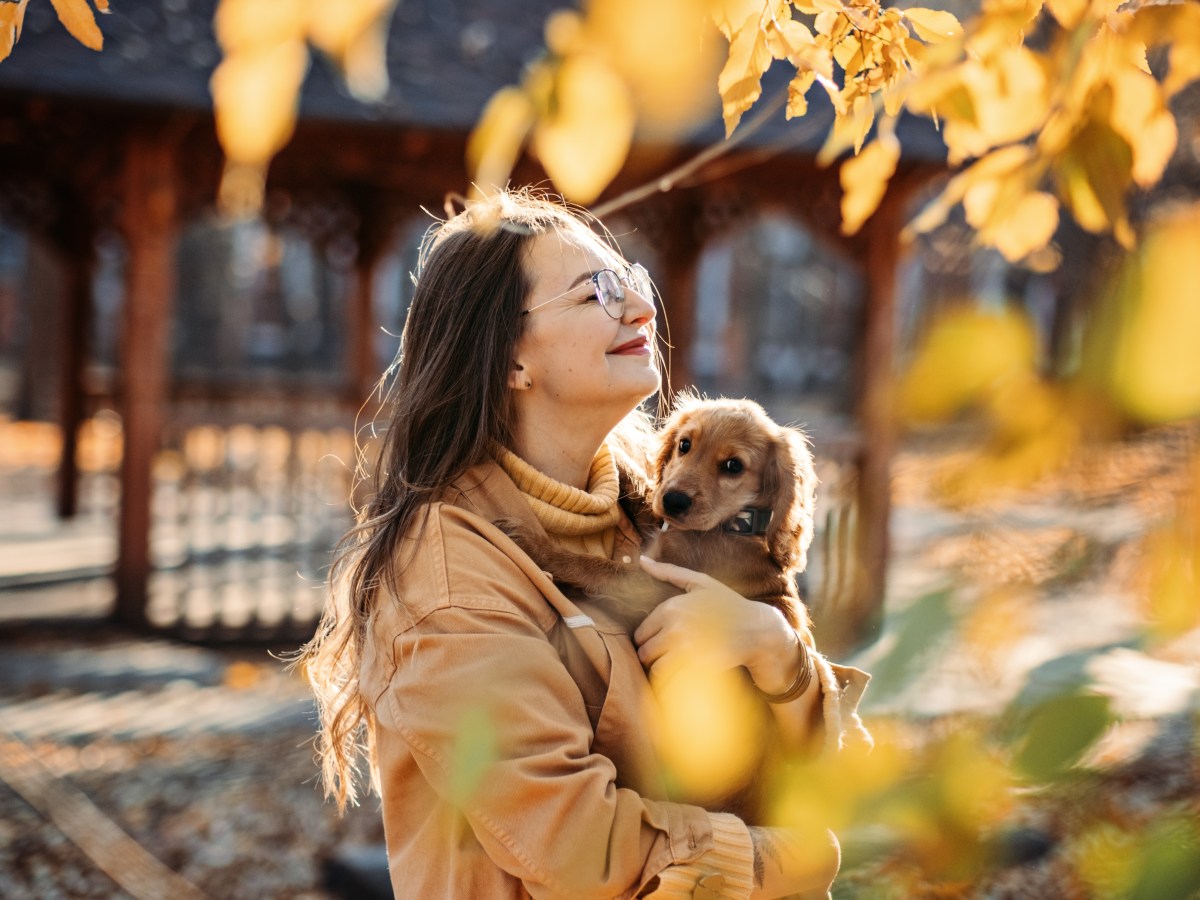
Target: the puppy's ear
(666, 447)
(789, 484)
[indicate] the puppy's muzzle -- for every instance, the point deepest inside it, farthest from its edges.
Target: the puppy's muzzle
(676, 503)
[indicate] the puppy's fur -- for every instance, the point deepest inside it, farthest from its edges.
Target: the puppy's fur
(715, 459)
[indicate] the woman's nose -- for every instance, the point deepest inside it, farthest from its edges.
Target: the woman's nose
(638, 309)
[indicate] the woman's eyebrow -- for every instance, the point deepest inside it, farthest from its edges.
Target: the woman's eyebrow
(586, 276)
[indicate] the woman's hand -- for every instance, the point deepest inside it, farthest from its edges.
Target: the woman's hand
(714, 622)
(793, 863)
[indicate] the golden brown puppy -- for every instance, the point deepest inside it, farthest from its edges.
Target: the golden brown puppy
(732, 496)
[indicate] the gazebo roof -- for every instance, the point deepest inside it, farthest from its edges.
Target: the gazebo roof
(445, 59)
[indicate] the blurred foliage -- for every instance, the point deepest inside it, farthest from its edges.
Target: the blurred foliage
(76, 16)
(616, 65)
(256, 88)
(1074, 121)
(475, 751)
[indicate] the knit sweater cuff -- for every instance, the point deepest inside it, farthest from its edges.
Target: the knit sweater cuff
(724, 871)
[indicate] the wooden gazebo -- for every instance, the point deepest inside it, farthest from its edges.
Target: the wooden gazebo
(125, 139)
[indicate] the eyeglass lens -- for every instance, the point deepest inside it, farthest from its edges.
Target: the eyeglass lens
(610, 289)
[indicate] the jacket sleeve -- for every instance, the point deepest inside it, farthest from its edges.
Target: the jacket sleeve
(499, 730)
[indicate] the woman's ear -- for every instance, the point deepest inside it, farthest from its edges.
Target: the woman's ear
(517, 379)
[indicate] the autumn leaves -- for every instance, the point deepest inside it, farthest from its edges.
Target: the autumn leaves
(76, 15)
(1074, 122)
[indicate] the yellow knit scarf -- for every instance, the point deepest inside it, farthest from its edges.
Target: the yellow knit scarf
(583, 521)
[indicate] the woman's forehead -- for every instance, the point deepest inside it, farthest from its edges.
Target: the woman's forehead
(569, 253)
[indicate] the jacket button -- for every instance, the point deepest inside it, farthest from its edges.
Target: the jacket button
(710, 887)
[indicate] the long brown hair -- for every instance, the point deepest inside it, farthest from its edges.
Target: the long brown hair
(447, 404)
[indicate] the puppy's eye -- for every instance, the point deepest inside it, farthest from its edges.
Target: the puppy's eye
(685, 445)
(732, 466)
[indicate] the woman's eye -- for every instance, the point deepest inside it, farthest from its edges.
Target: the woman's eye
(685, 445)
(732, 467)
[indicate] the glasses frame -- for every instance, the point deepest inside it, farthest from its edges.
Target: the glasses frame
(636, 278)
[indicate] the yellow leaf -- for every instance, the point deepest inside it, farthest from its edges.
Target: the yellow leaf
(242, 24)
(496, 142)
(1013, 102)
(1093, 176)
(933, 25)
(826, 22)
(996, 164)
(255, 96)
(364, 64)
(965, 357)
(354, 36)
(666, 54)
(79, 19)
(12, 15)
(740, 81)
(580, 158)
(797, 102)
(731, 16)
(864, 180)
(848, 130)
(564, 32)
(790, 40)
(1157, 367)
(1176, 25)
(1027, 226)
(1138, 113)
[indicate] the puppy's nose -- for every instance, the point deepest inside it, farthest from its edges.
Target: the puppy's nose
(676, 502)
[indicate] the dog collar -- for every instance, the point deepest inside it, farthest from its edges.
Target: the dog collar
(748, 521)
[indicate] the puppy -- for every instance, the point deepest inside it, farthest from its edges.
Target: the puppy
(732, 495)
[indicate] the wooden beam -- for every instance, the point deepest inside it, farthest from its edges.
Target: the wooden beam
(150, 195)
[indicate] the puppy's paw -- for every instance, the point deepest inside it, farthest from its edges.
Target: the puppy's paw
(532, 541)
(518, 530)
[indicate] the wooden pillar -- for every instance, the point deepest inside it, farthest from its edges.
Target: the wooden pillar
(679, 246)
(149, 223)
(877, 420)
(78, 257)
(375, 231)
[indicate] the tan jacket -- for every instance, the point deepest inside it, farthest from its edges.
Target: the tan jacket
(511, 751)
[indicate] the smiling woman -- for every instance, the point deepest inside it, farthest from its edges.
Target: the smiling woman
(505, 721)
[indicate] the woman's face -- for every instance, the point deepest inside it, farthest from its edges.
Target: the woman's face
(572, 352)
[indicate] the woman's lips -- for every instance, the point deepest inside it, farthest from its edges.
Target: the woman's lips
(636, 346)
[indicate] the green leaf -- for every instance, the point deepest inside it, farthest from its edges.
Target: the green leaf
(1059, 731)
(1170, 865)
(918, 633)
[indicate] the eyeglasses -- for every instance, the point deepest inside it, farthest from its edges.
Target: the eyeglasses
(609, 289)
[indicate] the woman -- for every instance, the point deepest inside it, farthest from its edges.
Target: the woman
(503, 720)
